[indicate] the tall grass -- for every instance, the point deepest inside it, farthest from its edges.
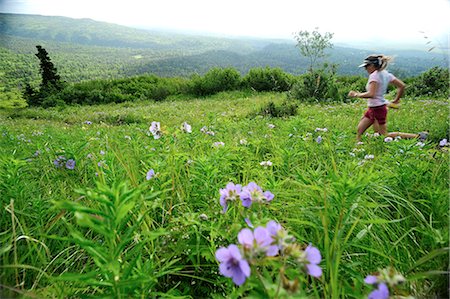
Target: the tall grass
(103, 229)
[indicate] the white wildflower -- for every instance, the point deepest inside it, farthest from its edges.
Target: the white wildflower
(186, 127)
(266, 163)
(218, 144)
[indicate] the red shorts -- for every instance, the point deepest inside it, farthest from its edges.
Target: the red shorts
(377, 113)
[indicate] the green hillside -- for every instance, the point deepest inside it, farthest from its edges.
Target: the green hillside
(83, 49)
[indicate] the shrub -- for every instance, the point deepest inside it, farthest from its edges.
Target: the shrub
(316, 86)
(347, 83)
(214, 81)
(434, 82)
(284, 110)
(268, 79)
(118, 91)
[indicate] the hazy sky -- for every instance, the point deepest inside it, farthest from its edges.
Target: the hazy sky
(349, 20)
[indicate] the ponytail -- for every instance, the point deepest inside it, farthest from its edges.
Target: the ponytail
(380, 61)
(384, 61)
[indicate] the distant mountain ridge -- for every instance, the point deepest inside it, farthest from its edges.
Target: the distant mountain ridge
(84, 49)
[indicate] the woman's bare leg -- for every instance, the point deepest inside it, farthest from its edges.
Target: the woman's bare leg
(403, 135)
(382, 129)
(376, 127)
(363, 125)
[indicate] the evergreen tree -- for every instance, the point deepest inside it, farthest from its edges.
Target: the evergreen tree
(51, 81)
(49, 73)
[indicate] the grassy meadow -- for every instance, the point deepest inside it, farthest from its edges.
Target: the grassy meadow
(82, 216)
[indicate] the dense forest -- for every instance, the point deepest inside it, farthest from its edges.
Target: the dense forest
(83, 49)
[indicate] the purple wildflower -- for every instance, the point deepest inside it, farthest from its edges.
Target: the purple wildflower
(102, 164)
(230, 193)
(319, 139)
(273, 227)
(371, 279)
(382, 292)
(280, 236)
(385, 278)
(232, 264)
(249, 223)
(70, 164)
(258, 241)
(59, 161)
(253, 193)
(150, 174)
(313, 256)
(218, 144)
(155, 129)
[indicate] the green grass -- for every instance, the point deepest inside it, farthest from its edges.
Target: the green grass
(102, 229)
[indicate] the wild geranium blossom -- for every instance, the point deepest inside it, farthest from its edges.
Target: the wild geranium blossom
(313, 256)
(205, 130)
(382, 291)
(232, 264)
(255, 246)
(280, 236)
(384, 279)
(186, 127)
(150, 174)
(258, 241)
(59, 161)
(155, 129)
(218, 144)
(266, 163)
(229, 193)
(70, 164)
(253, 193)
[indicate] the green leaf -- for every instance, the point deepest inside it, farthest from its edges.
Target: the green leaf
(431, 255)
(123, 209)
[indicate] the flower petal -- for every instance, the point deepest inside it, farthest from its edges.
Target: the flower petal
(226, 270)
(268, 195)
(313, 254)
(238, 277)
(273, 227)
(245, 267)
(381, 293)
(272, 250)
(222, 254)
(314, 270)
(370, 279)
(234, 252)
(245, 237)
(262, 236)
